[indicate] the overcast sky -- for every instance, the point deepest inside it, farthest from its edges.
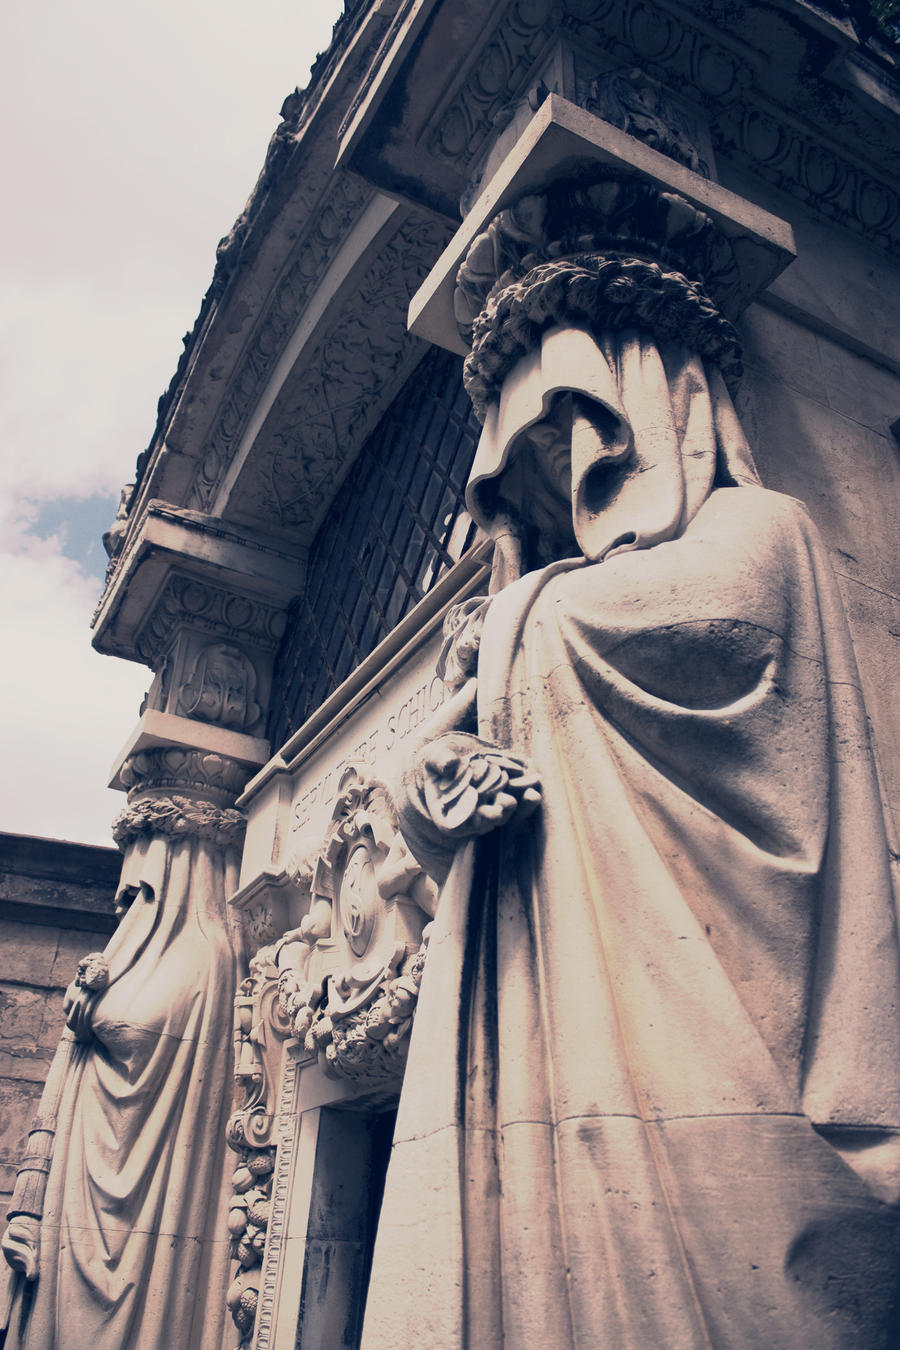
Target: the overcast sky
(132, 136)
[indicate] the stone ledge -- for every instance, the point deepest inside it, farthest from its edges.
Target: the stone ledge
(55, 882)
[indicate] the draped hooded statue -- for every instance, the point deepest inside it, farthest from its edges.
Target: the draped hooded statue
(653, 1091)
(128, 1246)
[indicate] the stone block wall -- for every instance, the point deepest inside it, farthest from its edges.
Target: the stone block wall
(818, 400)
(56, 904)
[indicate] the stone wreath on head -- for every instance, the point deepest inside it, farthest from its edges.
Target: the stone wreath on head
(601, 254)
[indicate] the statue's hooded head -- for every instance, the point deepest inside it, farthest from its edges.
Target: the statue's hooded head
(600, 377)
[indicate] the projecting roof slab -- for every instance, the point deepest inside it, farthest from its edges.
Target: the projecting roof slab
(563, 140)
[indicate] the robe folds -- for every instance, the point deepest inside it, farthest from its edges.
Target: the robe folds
(134, 1242)
(653, 1093)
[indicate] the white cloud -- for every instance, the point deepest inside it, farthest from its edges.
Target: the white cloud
(133, 135)
(66, 709)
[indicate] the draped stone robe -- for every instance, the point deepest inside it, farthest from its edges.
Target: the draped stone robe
(133, 1241)
(653, 1093)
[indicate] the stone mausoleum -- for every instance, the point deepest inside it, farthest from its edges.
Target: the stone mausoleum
(508, 951)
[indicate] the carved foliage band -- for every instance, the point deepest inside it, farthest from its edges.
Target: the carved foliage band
(179, 817)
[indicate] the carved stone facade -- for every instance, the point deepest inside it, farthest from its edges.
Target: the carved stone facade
(338, 991)
(491, 916)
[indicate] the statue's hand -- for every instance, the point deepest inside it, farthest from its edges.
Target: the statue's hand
(77, 1005)
(469, 787)
(21, 1244)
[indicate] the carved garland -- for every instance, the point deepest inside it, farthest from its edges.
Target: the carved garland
(259, 1033)
(179, 817)
(371, 1044)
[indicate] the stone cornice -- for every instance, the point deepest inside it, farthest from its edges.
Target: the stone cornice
(748, 67)
(562, 138)
(254, 579)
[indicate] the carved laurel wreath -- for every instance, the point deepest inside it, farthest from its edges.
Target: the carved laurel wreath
(179, 816)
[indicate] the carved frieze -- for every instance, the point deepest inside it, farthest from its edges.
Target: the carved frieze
(324, 236)
(688, 60)
(829, 184)
(342, 390)
(763, 114)
(209, 608)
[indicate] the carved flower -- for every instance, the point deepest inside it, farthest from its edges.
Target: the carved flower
(402, 997)
(470, 787)
(92, 973)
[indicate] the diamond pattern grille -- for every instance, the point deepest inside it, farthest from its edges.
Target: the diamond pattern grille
(396, 525)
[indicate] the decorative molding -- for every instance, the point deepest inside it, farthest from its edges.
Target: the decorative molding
(174, 769)
(240, 619)
(181, 817)
(344, 387)
(248, 1223)
(345, 982)
(367, 901)
(828, 184)
(347, 200)
(221, 689)
(279, 1192)
(690, 61)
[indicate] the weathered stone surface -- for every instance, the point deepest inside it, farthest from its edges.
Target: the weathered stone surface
(121, 1154)
(667, 999)
(662, 1060)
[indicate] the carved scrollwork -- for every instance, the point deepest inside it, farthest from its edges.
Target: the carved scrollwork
(342, 391)
(344, 984)
(368, 898)
(314, 253)
(221, 688)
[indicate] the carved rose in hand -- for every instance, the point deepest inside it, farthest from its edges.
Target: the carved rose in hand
(469, 787)
(91, 978)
